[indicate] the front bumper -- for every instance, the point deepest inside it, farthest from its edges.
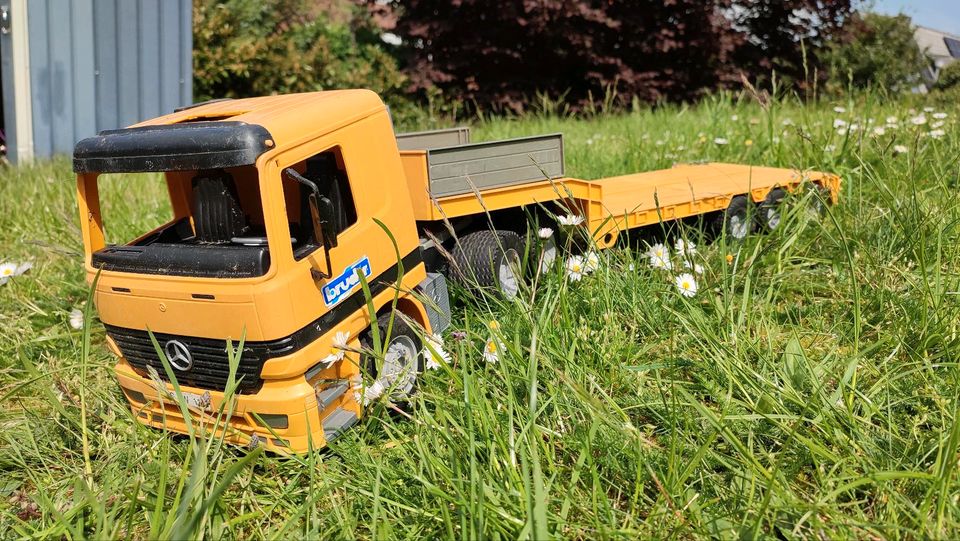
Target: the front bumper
(294, 398)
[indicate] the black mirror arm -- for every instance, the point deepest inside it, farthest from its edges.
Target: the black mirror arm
(318, 231)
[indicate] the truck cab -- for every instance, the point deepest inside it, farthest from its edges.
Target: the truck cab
(273, 206)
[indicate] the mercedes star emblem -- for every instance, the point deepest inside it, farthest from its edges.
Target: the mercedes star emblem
(178, 355)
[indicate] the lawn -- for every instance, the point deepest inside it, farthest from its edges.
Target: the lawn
(810, 388)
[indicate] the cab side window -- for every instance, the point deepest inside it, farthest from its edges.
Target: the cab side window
(327, 171)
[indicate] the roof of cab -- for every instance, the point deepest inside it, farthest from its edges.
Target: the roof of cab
(222, 133)
(288, 117)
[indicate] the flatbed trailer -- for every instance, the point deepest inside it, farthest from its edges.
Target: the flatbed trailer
(281, 204)
(449, 177)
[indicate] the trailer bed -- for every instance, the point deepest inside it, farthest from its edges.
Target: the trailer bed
(609, 205)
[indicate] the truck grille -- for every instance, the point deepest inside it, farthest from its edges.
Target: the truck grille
(210, 365)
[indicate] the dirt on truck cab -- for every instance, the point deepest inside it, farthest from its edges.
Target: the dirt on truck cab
(276, 203)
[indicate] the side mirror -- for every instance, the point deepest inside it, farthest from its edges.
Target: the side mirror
(321, 210)
(321, 215)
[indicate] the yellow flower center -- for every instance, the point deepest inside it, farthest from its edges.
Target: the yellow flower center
(491, 347)
(494, 324)
(7, 272)
(576, 268)
(685, 285)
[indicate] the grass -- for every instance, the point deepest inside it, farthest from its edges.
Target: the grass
(809, 390)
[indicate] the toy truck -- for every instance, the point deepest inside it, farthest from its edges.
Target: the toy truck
(280, 204)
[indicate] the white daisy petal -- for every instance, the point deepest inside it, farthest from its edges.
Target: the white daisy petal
(687, 284)
(545, 233)
(76, 319)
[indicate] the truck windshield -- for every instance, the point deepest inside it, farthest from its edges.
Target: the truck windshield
(190, 223)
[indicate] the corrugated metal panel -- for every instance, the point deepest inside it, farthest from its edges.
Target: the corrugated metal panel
(102, 64)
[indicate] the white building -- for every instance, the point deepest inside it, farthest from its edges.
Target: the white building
(941, 47)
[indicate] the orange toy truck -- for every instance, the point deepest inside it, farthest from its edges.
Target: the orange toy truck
(281, 209)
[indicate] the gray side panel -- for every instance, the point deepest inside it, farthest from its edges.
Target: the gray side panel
(170, 58)
(424, 140)
(105, 64)
(59, 19)
(186, 52)
(9, 107)
(127, 18)
(84, 74)
(149, 59)
(41, 79)
(458, 170)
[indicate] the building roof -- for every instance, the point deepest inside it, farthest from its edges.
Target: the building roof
(934, 42)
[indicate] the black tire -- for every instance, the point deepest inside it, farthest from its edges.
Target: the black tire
(770, 214)
(481, 257)
(735, 222)
(401, 335)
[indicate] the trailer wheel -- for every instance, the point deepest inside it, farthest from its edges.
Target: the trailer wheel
(489, 260)
(402, 359)
(770, 212)
(735, 221)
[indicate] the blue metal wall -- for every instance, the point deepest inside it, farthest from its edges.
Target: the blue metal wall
(102, 64)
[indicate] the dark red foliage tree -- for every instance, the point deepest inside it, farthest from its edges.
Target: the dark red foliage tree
(501, 53)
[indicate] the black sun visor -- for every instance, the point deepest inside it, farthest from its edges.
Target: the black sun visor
(192, 146)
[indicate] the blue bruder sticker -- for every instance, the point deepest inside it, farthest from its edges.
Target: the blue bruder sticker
(339, 287)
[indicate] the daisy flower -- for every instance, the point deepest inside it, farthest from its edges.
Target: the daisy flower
(491, 351)
(937, 124)
(591, 262)
(937, 134)
(76, 319)
(919, 120)
(839, 123)
(7, 271)
(939, 116)
(576, 268)
(365, 395)
(685, 248)
(900, 149)
(720, 141)
(545, 233)
(928, 109)
(839, 109)
(433, 351)
(570, 220)
(697, 267)
(687, 284)
(337, 348)
(659, 256)
(879, 131)
(493, 325)
(892, 120)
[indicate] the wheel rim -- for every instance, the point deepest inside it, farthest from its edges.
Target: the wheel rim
(399, 371)
(773, 218)
(738, 226)
(507, 276)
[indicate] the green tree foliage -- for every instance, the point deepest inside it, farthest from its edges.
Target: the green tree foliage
(248, 48)
(877, 51)
(503, 53)
(949, 77)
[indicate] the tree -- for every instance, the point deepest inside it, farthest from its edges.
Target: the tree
(251, 47)
(501, 53)
(877, 51)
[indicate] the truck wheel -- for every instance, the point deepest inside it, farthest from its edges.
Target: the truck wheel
(770, 212)
(735, 222)
(402, 359)
(489, 260)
